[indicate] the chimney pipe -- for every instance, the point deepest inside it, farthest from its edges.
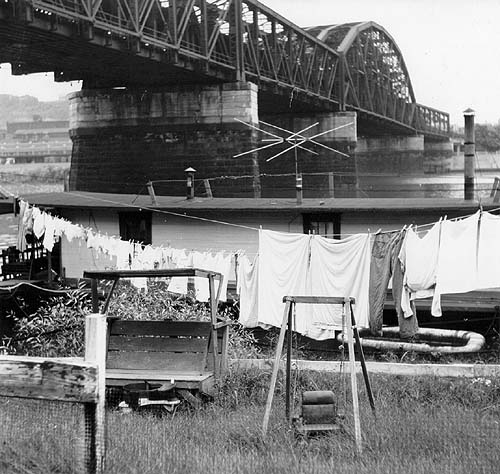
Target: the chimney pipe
(298, 188)
(190, 182)
(469, 155)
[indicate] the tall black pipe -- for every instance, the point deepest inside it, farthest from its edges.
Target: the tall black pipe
(469, 155)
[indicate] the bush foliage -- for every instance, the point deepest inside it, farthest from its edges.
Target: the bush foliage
(56, 328)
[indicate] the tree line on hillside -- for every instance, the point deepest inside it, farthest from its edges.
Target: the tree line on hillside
(23, 108)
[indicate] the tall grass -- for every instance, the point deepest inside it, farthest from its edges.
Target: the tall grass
(423, 425)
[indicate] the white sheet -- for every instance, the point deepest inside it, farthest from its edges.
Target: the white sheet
(337, 268)
(457, 261)
(282, 271)
(247, 288)
(489, 252)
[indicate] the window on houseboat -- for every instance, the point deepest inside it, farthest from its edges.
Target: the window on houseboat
(326, 225)
(136, 226)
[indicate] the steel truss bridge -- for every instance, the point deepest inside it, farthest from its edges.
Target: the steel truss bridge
(145, 43)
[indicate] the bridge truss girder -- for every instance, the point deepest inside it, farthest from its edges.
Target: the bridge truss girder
(160, 42)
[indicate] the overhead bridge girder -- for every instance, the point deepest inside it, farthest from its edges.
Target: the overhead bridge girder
(347, 67)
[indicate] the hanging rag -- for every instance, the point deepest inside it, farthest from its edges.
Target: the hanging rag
(247, 287)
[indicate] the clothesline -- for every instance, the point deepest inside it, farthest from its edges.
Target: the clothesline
(124, 254)
(161, 211)
(420, 228)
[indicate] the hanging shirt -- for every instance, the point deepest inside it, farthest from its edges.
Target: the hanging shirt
(38, 222)
(247, 287)
(49, 234)
(282, 270)
(457, 261)
(337, 268)
(419, 257)
(21, 225)
(181, 260)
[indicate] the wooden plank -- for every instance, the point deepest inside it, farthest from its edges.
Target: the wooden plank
(354, 382)
(274, 374)
(315, 299)
(175, 361)
(173, 272)
(160, 328)
(157, 344)
(34, 377)
(214, 300)
(166, 375)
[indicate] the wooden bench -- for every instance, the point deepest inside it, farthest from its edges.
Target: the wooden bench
(165, 351)
(190, 353)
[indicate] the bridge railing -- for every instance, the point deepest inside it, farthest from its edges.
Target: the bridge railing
(429, 120)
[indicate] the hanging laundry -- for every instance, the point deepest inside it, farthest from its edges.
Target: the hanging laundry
(72, 231)
(457, 261)
(337, 268)
(123, 254)
(385, 264)
(38, 222)
(488, 266)
(223, 266)
(419, 256)
(21, 225)
(181, 259)
(283, 267)
(139, 283)
(49, 236)
(204, 261)
(247, 286)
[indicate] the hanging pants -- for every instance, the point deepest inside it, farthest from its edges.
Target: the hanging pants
(384, 264)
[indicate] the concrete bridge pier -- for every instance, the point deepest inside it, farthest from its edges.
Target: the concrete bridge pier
(124, 138)
(401, 166)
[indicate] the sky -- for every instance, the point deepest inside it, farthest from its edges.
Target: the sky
(449, 47)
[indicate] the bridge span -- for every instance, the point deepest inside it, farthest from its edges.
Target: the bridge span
(143, 43)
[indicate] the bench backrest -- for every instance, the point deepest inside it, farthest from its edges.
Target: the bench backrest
(173, 346)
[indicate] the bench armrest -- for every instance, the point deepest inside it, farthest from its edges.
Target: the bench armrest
(222, 324)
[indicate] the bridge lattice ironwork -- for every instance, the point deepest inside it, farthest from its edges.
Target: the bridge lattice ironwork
(345, 67)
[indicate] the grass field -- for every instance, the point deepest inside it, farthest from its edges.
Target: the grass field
(424, 425)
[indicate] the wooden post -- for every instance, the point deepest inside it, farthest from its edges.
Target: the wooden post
(95, 352)
(288, 401)
(213, 316)
(362, 360)
(276, 366)
(354, 384)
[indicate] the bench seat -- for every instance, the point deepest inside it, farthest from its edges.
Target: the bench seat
(162, 351)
